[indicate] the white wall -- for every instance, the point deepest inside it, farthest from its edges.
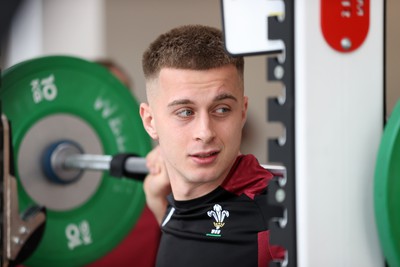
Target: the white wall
(74, 27)
(26, 35)
(44, 27)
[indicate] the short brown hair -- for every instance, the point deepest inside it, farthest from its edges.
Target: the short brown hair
(194, 47)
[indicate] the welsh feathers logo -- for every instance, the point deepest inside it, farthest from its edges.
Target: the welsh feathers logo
(219, 216)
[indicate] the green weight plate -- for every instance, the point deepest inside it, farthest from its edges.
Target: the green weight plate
(60, 97)
(387, 189)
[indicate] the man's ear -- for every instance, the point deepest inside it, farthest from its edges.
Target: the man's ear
(146, 114)
(244, 110)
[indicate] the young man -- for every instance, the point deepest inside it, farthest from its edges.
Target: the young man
(217, 212)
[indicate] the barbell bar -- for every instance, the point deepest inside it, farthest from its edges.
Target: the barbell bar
(64, 161)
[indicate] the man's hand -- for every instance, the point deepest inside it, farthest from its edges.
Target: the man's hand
(156, 185)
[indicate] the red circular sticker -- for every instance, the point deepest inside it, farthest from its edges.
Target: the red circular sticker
(345, 23)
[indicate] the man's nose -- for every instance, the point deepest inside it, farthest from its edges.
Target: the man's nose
(204, 131)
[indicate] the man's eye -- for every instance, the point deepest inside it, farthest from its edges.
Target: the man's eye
(222, 110)
(185, 113)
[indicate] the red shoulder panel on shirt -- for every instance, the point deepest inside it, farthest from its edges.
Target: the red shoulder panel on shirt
(247, 176)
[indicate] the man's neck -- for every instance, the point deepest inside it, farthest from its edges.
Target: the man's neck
(186, 191)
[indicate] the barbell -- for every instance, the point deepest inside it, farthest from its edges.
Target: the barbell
(55, 98)
(75, 128)
(64, 162)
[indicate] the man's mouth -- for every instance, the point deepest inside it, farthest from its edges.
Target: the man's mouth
(205, 155)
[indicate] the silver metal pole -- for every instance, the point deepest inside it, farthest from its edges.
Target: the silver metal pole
(132, 164)
(88, 162)
(102, 163)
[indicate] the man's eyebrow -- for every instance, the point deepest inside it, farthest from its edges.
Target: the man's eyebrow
(180, 102)
(188, 101)
(225, 96)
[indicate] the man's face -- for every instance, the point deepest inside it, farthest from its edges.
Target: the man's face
(197, 117)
